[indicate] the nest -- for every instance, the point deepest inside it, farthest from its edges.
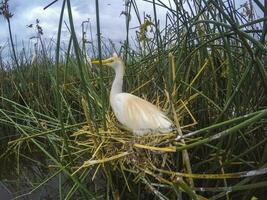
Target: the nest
(151, 155)
(115, 145)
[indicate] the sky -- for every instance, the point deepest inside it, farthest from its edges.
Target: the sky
(26, 12)
(112, 22)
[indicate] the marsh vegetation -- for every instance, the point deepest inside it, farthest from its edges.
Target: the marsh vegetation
(205, 66)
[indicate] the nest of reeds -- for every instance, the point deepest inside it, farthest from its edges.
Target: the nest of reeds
(115, 145)
(152, 155)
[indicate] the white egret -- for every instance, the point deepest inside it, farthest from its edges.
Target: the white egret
(138, 115)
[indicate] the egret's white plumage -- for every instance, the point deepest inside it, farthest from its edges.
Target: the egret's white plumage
(135, 113)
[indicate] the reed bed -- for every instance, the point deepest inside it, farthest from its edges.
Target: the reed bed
(205, 67)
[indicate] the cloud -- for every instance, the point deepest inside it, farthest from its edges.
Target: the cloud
(112, 23)
(26, 12)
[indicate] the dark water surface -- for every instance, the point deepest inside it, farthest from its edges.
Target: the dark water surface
(5, 194)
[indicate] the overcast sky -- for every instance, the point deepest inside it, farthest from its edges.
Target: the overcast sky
(112, 23)
(27, 11)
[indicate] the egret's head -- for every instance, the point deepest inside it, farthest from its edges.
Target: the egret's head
(113, 62)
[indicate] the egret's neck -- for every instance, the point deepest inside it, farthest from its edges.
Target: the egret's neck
(118, 80)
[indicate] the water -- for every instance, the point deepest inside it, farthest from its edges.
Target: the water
(5, 194)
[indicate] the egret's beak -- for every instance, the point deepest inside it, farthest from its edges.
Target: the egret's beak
(104, 62)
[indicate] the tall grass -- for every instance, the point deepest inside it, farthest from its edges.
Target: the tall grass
(205, 66)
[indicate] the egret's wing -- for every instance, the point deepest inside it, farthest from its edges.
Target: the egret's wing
(138, 114)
